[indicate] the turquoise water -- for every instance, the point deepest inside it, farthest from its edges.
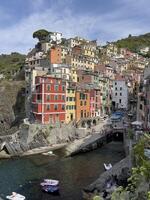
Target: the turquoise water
(25, 174)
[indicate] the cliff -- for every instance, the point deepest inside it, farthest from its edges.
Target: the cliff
(12, 110)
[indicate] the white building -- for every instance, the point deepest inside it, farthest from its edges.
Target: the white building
(54, 37)
(120, 93)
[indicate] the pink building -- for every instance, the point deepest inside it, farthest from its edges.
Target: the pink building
(92, 103)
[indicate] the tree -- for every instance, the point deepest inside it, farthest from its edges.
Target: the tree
(40, 34)
(129, 36)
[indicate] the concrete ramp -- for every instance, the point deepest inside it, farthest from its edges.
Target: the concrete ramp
(14, 148)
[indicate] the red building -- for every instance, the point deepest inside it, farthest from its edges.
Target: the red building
(48, 100)
(55, 55)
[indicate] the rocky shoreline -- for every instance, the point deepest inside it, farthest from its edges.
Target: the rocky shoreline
(120, 170)
(34, 138)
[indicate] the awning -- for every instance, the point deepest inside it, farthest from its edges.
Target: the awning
(137, 123)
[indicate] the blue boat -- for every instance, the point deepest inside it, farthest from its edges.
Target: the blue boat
(50, 186)
(51, 189)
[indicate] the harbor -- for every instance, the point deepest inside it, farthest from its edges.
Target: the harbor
(23, 175)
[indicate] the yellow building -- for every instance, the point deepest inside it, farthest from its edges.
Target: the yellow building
(70, 104)
(74, 76)
(64, 52)
(89, 52)
(80, 61)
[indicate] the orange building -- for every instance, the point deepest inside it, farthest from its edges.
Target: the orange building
(82, 104)
(55, 55)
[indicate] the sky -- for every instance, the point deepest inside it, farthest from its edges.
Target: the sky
(104, 20)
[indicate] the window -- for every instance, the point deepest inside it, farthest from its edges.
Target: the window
(48, 97)
(63, 88)
(63, 107)
(81, 103)
(81, 113)
(48, 107)
(116, 88)
(55, 97)
(116, 93)
(38, 97)
(141, 107)
(119, 100)
(55, 107)
(56, 87)
(63, 97)
(120, 94)
(85, 103)
(120, 88)
(48, 87)
(115, 83)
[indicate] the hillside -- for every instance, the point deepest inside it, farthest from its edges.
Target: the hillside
(135, 43)
(12, 105)
(9, 64)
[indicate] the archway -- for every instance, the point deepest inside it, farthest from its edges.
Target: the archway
(118, 136)
(89, 123)
(94, 122)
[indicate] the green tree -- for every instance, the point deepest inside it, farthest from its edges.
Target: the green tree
(40, 34)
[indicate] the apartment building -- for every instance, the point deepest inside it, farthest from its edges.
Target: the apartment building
(49, 99)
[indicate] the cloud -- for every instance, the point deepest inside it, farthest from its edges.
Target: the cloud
(59, 16)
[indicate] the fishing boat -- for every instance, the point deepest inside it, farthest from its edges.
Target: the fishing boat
(50, 186)
(15, 196)
(107, 166)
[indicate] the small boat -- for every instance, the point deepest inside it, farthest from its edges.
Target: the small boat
(15, 196)
(50, 189)
(107, 166)
(49, 153)
(50, 186)
(50, 182)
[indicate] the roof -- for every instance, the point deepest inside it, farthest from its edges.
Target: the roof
(119, 77)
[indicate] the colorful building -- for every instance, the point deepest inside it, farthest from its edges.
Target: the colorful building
(82, 104)
(49, 99)
(70, 104)
(92, 103)
(55, 55)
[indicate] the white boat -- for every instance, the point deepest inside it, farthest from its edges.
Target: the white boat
(49, 153)
(50, 182)
(107, 166)
(15, 196)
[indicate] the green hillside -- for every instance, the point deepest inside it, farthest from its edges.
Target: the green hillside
(9, 64)
(135, 43)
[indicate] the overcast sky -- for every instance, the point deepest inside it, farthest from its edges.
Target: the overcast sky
(104, 20)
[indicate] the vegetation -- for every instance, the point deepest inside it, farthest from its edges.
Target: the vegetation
(40, 34)
(135, 43)
(138, 183)
(9, 64)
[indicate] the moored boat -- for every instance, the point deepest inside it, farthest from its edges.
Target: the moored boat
(50, 186)
(107, 166)
(50, 182)
(15, 196)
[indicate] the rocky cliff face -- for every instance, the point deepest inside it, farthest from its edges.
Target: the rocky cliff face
(11, 105)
